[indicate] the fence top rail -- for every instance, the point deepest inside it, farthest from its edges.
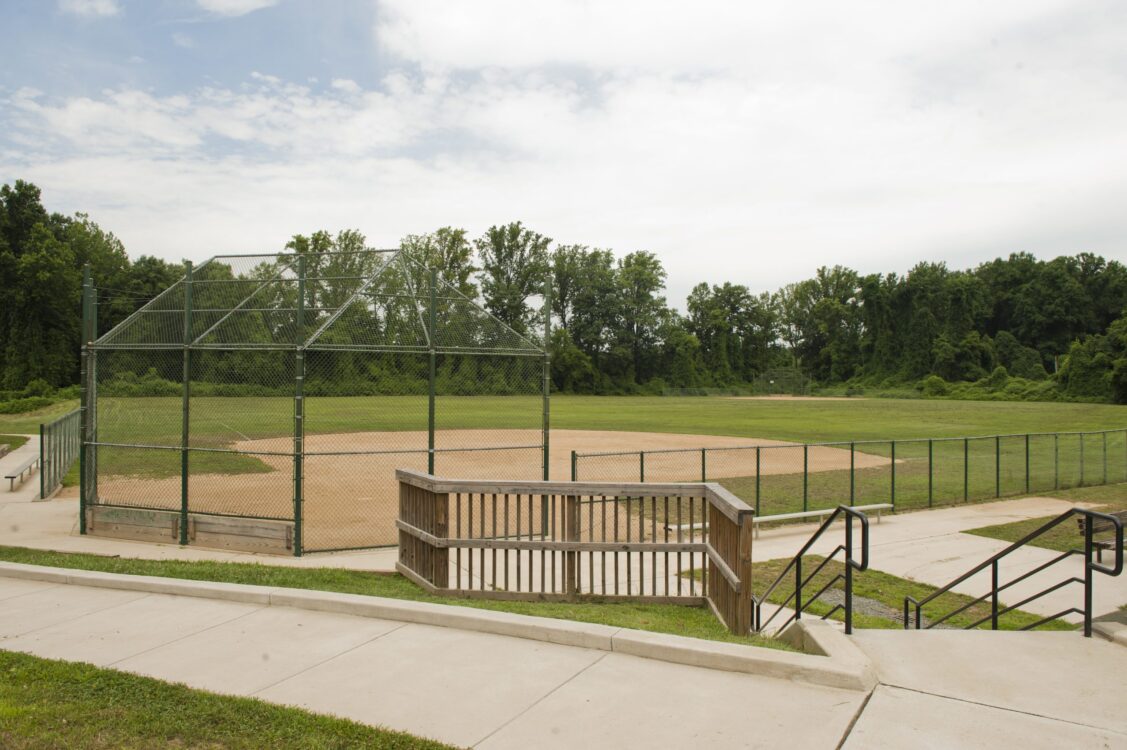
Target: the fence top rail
(728, 504)
(838, 443)
(69, 415)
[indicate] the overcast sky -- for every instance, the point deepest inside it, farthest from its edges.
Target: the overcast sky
(745, 142)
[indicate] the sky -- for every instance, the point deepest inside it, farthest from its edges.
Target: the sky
(742, 142)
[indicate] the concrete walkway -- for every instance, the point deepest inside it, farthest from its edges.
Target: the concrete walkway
(28, 490)
(936, 689)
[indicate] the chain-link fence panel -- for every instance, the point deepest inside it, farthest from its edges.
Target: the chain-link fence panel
(1042, 463)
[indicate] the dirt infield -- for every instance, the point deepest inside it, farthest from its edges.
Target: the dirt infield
(351, 497)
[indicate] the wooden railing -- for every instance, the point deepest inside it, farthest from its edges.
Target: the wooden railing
(569, 541)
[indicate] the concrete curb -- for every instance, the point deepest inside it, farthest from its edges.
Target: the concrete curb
(1116, 632)
(831, 659)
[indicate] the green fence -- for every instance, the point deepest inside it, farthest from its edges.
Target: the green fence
(908, 474)
(59, 444)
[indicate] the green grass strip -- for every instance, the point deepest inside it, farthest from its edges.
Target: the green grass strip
(46, 703)
(694, 622)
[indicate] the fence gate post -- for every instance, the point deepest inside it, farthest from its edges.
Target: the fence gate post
(805, 475)
(546, 399)
(431, 320)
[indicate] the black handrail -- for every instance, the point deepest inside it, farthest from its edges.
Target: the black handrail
(1091, 567)
(851, 565)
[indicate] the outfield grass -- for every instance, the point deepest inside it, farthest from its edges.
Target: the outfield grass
(888, 590)
(46, 703)
(694, 622)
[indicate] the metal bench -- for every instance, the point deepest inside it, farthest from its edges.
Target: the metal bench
(820, 513)
(1102, 526)
(27, 467)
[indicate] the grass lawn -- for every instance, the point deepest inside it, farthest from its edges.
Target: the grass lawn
(884, 589)
(1065, 536)
(13, 441)
(696, 622)
(55, 704)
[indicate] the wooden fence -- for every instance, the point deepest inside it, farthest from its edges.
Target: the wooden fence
(687, 543)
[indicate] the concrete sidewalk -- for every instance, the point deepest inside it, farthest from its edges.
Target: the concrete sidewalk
(937, 689)
(28, 490)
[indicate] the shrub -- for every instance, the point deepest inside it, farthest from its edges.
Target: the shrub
(933, 386)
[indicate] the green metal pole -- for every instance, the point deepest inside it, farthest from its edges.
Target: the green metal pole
(892, 495)
(852, 476)
(185, 405)
(84, 403)
(1027, 463)
(641, 466)
(1105, 458)
(1056, 460)
(299, 414)
(574, 466)
(703, 465)
(966, 469)
(757, 474)
(546, 417)
(997, 466)
(432, 319)
(805, 476)
(42, 461)
(1081, 459)
(930, 473)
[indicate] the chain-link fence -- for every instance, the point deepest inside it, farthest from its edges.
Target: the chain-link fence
(778, 479)
(282, 392)
(59, 443)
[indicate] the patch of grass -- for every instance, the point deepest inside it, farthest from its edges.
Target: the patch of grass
(12, 441)
(28, 422)
(1064, 536)
(888, 590)
(46, 703)
(695, 622)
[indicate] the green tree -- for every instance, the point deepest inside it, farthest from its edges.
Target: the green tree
(514, 264)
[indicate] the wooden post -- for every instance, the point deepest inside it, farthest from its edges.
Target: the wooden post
(440, 557)
(571, 534)
(742, 625)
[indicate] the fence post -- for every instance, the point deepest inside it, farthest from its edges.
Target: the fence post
(1027, 463)
(997, 466)
(1105, 458)
(84, 436)
(805, 475)
(432, 317)
(703, 464)
(1056, 460)
(299, 411)
(546, 417)
(852, 476)
(185, 405)
(571, 534)
(892, 495)
(966, 469)
(930, 474)
(574, 466)
(747, 530)
(757, 464)
(641, 466)
(1081, 459)
(42, 460)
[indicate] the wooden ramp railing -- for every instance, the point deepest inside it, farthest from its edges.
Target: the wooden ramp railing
(684, 543)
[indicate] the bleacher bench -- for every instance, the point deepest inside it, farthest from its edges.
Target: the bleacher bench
(1101, 526)
(27, 467)
(820, 513)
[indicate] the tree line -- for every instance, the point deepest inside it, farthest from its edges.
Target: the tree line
(1012, 327)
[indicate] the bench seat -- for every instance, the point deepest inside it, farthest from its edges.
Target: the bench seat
(819, 513)
(27, 467)
(1101, 526)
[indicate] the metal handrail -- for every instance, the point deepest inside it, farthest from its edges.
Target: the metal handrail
(1090, 569)
(795, 564)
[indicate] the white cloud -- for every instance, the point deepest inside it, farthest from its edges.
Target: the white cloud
(90, 8)
(234, 7)
(181, 39)
(739, 143)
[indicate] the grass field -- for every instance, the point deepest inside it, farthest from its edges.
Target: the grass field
(12, 441)
(46, 703)
(1065, 536)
